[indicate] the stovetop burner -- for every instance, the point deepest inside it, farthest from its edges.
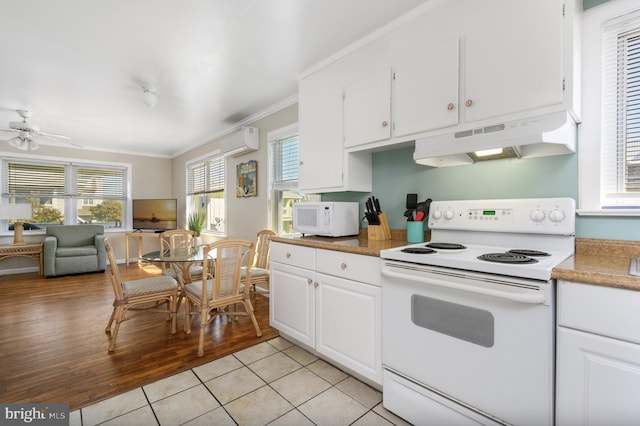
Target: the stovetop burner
(446, 246)
(418, 250)
(507, 258)
(527, 252)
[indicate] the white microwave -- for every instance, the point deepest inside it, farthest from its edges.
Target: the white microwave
(327, 219)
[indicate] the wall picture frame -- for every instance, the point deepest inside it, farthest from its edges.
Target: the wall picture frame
(247, 179)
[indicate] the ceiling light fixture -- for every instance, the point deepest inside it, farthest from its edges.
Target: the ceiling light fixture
(149, 97)
(24, 142)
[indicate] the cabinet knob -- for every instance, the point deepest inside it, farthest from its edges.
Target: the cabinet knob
(309, 280)
(288, 255)
(343, 266)
(384, 124)
(469, 102)
(315, 285)
(300, 163)
(450, 106)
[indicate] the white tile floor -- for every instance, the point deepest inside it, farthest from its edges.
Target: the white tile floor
(274, 382)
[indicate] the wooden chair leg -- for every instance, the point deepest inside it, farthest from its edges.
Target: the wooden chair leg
(107, 329)
(203, 325)
(249, 308)
(119, 313)
(174, 314)
(187, 316)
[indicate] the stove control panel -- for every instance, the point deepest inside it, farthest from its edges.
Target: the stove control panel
(531, 215)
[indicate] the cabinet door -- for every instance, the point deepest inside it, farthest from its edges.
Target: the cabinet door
(292, 302)
(425, 95)
(320, 126)
(348, 315)
(598, 380)
(367, 107)
(514, 65)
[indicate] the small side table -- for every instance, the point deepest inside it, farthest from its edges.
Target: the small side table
(32, 251)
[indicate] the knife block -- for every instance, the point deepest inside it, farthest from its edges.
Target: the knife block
(379, 232)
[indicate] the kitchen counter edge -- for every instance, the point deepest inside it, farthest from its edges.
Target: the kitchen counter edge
(601, 262)
(357, 244)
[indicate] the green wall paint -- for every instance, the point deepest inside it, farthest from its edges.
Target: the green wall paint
(396, 174)
(586, 4)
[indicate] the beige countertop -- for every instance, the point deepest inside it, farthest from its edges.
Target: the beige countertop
(601, 262)
(596, 261)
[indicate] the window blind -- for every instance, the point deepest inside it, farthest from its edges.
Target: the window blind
(206, 176)
(621, 113)
(34, 179)
(285, 161)
(100, 183)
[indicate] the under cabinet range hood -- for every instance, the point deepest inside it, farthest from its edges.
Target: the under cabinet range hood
(551, 134)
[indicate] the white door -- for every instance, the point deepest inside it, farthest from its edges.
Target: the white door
(598, 380)
(425, 95)
(320, 127)
(367, 107)
(348, 315)
(292, 302)
(514, 65)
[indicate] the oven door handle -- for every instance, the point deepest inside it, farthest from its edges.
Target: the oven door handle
(531, 297)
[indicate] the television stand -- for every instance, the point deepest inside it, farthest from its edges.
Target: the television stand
(139, 234)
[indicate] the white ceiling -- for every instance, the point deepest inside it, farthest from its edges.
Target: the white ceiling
(79, 65)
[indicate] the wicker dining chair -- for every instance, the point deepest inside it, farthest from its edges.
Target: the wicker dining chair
(179, 238)
(154, 294)
(222, 290)
(260, 266)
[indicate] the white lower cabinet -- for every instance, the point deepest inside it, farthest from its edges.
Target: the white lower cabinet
(598, 356)
(330, 308)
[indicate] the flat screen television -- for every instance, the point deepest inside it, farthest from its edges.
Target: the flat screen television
(155, 214)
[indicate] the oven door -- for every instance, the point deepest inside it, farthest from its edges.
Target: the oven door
(484, 341)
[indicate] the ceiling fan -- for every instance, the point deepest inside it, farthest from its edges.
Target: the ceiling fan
(26, 132)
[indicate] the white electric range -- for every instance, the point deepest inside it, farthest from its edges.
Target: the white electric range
(469, 318)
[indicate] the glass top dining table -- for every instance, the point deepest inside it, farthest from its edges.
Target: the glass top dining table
(181, 254)
(180, 259)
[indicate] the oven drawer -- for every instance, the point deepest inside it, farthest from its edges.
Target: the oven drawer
(290, 254)
(356, 267)
(402, 396)
(602, 310)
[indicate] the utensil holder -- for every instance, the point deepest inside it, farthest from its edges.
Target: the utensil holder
(379, 232)
(415, 232)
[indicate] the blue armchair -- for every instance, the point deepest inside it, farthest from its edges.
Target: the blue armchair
(74, 249)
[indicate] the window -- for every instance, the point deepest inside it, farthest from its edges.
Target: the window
(66, 192)
(283, 179)
(206, 190)
(609, 151)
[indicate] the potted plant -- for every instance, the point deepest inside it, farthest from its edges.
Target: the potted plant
(195, 221)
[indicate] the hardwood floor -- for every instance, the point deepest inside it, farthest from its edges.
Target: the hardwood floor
(54, 348)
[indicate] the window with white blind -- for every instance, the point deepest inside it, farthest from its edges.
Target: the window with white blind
(621, 113)
(66, 192)
(283, 178)
(609, 150)
(206, 192)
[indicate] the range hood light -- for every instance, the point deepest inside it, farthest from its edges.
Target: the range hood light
(488, 152)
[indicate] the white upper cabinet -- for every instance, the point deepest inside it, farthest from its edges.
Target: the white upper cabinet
(440, 71)
(515, 64)
(425, 95)
(320, 127)
(367, 107)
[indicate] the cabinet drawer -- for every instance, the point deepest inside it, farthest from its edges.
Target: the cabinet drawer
(602, 310)
(355, 267)
(289, 254)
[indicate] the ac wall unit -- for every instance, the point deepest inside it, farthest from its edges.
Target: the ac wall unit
(246, 140)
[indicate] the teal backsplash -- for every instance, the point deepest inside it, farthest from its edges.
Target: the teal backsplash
(395, 174)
